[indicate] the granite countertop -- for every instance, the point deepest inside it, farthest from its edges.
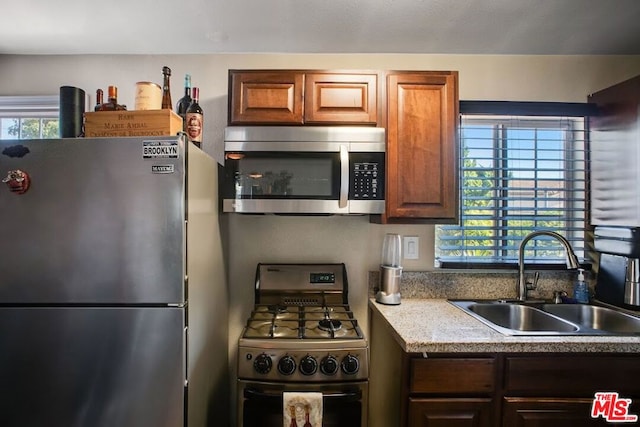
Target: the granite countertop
(423, 325)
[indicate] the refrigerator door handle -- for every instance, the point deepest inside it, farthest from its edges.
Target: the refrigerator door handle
(184, 355)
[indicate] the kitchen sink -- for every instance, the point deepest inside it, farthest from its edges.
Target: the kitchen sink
(539, 318)
(521, 318)
(595, 317)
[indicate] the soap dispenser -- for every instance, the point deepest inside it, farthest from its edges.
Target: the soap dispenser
(580, 290)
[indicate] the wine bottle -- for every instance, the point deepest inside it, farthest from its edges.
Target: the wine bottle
(195, 118)
(306, 416)
(292, 412)
(166, 89)
(185, 101)
(99, 100)
(112, 102)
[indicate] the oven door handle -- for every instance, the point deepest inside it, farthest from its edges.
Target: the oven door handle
(344, 177)
(350, 395)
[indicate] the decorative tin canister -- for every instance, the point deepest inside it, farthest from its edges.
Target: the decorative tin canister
(148, 96)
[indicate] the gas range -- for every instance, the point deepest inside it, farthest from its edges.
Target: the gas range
(301, 328)
(303, 322)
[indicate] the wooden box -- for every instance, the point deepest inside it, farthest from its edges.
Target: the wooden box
(131, 123)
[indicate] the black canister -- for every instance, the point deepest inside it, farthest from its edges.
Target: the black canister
(72, 107)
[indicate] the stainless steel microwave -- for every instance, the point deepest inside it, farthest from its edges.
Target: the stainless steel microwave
(304, 170)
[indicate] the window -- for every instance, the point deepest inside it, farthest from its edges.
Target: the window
(518, 173)
(29, 117)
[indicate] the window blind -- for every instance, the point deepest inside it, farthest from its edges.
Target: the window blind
(29, 106)
(517, 174)
(27, 117)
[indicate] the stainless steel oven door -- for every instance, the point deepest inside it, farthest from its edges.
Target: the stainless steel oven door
(344, 404)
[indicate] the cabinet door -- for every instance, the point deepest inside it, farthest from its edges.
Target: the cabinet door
(473, 375)
(340, 98)
(450, 412)
(572, 375)
(532, 412)
(264, 97)
(422, 146)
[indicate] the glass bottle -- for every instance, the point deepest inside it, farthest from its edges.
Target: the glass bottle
(185, 101)
(195, 118)
(99, 100)
(306, 417)
(166, 89)
(292, 411)
(112, 102)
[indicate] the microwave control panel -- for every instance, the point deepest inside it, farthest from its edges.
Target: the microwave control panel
(367, 177)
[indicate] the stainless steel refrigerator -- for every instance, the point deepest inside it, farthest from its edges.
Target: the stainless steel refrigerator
(113, 300)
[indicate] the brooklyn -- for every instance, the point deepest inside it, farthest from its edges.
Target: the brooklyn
(171, 150)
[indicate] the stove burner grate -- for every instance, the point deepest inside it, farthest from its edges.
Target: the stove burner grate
(279, 320)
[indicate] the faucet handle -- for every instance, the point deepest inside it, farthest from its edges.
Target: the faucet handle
(533, 285)
(558, 295)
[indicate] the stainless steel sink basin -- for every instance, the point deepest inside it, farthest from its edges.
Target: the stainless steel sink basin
(521, 318)
(596, 317)
(518, 318)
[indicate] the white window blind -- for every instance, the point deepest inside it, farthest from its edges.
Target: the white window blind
(517, 174)
(29, 117)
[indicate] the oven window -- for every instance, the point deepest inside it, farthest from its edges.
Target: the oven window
(289, 176)
(263, 410)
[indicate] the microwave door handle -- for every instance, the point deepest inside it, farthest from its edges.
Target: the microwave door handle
(344, 177)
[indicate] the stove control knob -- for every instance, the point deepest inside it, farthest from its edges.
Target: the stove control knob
(287, 365)
(350, 364)
(308, 365)
(262, 364)
(329, 365)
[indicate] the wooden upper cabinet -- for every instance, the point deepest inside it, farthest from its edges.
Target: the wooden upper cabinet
(422, 147)
(340, 98)
(259, 97)
(296, 97)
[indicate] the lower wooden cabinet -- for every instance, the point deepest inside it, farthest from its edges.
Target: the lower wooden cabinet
(451, 391)
(450, 412)
(572, 375)
(557, 412)
(514, 390)
(449, 375)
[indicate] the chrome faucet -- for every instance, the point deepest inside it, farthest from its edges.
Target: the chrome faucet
(572, 260)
